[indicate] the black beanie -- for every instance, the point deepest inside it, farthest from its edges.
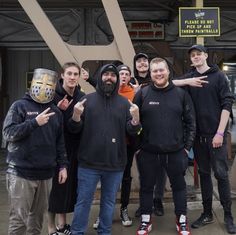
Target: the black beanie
(110, 68)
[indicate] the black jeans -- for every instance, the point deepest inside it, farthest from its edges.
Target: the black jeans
(209, 158)
(175, 165)
(127, 179)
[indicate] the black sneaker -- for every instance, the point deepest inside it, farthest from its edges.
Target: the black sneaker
(126, 220)
(65, 230)
(229, 224)
(158, 208)
(138, 213)
(203, 220)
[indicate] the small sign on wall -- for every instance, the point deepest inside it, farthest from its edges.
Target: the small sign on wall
(145, 30)
(199, 22)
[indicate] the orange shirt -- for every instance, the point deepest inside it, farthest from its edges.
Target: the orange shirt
(127, 92)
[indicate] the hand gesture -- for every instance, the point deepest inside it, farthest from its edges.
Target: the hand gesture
(64, 103)
(78, 110)
(84, 74)
(135, 86)
(43, 117)
(197, 81)
(134, 111)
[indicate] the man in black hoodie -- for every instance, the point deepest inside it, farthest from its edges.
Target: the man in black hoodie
(141, 79)
(33, 130)
(103, 118)
(63, 196)
(213, 104)
(168, 121)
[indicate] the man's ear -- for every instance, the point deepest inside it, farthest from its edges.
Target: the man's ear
(206, 54)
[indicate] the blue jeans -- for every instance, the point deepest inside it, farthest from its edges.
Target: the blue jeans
(87, 183)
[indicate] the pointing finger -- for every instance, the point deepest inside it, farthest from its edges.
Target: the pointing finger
(50, 114)
(83, 101)
(64, 97)
(46, 110)
(202, 77)
(136, 81)
(70, 102)
(131, 103)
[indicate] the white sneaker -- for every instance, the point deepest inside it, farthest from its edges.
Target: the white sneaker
(126, 220)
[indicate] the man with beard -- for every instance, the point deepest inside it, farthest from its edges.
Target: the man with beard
(103, 118)
(168, 122)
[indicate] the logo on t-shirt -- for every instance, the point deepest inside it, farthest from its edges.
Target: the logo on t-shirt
(154, 103)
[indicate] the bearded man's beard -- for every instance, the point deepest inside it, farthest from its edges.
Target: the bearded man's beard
(108, 88)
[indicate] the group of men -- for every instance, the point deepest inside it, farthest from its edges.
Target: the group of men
(153, 116)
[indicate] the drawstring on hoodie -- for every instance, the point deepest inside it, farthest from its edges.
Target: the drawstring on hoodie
(203, 139)
(166, 158)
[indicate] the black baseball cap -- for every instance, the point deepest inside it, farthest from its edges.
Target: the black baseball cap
(197, 47)
(141, 55)
(123, 67)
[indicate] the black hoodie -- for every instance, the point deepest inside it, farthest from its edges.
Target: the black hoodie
(104, 124)
(60, 94)
(210, 100)
(33, 151)
(167, 117)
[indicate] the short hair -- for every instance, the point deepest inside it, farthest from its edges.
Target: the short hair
(158, 60)
(70, 64)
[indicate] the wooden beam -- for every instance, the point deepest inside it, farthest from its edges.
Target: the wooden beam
(199, 40)
(120, 49)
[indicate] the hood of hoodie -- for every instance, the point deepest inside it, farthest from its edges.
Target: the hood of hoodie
(62, 92)
(99, 86)
(212, 69)
(165, 89)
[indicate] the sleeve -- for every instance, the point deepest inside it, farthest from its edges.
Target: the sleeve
(226, 97)
(74, 127)
(15, 126)
(138, 98)
(60, 145)
(189, 121)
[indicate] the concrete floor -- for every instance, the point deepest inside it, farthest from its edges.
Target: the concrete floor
(161, 225)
